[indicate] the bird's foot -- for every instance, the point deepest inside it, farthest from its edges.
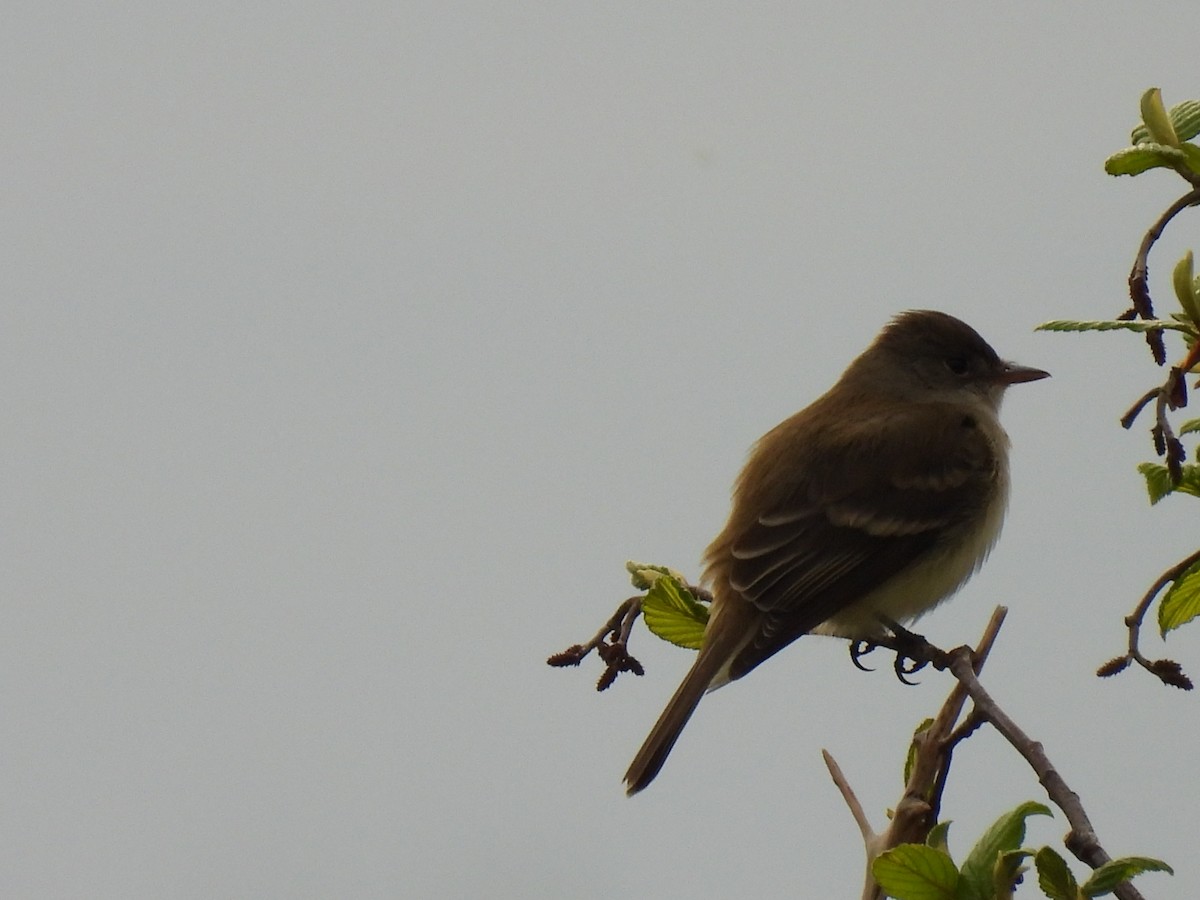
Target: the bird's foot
(913, 652)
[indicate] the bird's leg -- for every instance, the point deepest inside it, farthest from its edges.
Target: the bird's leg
(913, 652)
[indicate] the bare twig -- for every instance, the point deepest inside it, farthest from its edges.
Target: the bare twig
(1139, 286)
(1127, 420)
(1171, 394)
(917, 811)
(1166, 670)
(614, 652)
(1081, 840)
(856, 810)
(919, 806)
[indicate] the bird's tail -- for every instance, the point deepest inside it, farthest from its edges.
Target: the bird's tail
(715, 653)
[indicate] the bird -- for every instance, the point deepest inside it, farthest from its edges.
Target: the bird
(865, 509)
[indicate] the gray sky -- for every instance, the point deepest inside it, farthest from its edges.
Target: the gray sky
(352, 349)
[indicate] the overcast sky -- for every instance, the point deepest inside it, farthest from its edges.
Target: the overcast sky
(351, 349)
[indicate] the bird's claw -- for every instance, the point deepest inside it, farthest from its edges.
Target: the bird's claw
(859, 649)
(907, 665)
(913, 652)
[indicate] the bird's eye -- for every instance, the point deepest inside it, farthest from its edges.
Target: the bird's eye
(957, 364)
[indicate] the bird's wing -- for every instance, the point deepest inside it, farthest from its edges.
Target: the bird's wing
(849, 524)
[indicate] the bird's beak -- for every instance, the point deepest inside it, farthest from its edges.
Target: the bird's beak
(1012, 373)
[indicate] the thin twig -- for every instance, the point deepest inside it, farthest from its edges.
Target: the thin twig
(968, 727)
(1168, 671)
(847, 792)
(1169, 397)
(1134, 620)
(915, 813)
(952, 709)
(615, 652)
(1129, 417)
(1081, 840)
(1139, 287)
(917, 810)
(1171, 394)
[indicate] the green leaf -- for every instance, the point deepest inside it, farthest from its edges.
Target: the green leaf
(673, 613)
(1111, 325)
(1189, 427)
(1007, 871)
(1054, 878)
(1185, 321)
(645, 574)
(1191, 155)
(1142, 158)
(1181, 603)
(1116, 871)
(1184, 282)
(1185, 117)
(915, 872)
(911, 757)
(939, 837)
(1156, 120)
(1158, 481)
(1007, 833)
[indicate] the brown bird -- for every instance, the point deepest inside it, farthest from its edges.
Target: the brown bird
(873, 504)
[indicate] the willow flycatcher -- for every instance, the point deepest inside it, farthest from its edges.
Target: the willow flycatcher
(872, 505)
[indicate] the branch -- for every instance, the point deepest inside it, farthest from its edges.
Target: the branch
(1139, 287)
(933, 748)
(1127, 420)
(1166, 670)
(920, 805)
(614, 652)
(856, 808)
(1081, 840)
(1171, 394)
